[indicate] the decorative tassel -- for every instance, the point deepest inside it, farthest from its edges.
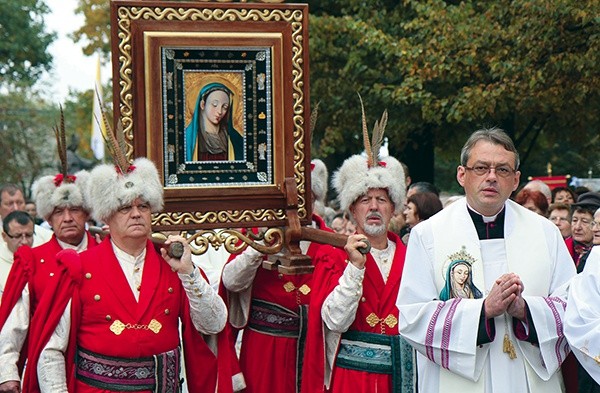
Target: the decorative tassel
(509, 347)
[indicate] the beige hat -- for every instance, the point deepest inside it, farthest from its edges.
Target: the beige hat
(50, 192)
(110, 188)
(63, 189)
(114, 186)
(318, 179)
(355, 178)
(358, 173)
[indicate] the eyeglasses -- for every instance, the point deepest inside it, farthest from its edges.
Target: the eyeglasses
(501, 171)
(20, 235)
(142, 208)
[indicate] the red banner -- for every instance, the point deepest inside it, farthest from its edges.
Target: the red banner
(553, 181)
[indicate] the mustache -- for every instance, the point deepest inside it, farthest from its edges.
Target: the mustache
(374, 215)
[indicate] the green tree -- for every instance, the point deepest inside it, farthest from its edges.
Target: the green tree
(27, 137)
(78, 114)
(27, 140)
(24, 42)
(443, 69)
(95, 32)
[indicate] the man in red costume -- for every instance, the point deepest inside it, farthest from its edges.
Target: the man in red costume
(123, 301)
(60, 200)
(271, 308)
(353, 343)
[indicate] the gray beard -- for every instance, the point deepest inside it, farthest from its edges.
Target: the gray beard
(375, 230)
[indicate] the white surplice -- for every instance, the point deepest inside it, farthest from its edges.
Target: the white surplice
(445, 332)
(582, 319)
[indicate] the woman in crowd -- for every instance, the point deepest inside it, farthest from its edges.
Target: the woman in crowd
(419, 207)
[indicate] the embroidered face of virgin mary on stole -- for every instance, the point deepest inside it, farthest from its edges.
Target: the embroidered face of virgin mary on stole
(459, 279)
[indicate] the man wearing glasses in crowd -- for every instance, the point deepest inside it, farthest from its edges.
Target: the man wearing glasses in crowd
(11, 199)
(18, 230)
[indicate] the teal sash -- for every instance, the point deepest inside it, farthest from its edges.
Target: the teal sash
(380, 354)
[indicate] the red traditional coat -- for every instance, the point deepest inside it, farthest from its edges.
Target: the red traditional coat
(34, 267)
(378, 297)
(100, 295)
(269, 363)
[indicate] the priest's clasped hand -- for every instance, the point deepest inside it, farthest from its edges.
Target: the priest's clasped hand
(505, 296)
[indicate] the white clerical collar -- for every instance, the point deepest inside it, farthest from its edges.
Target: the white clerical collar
(82, 246)
(485, 218)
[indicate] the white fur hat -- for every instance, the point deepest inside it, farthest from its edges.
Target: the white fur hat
(50, 192)
(109, 189)
(318, 179)
(354, 179)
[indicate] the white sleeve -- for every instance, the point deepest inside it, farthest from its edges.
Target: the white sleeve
(51, 370)
(339, 308)
(547, 312)
(12, 337)
(239, 273)
(582, 318)
(207, 309)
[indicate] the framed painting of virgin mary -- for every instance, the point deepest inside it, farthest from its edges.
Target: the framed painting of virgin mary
(216, 94)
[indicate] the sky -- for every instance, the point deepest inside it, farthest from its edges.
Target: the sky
(72, 69)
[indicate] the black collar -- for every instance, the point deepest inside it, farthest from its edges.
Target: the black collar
(488, 230)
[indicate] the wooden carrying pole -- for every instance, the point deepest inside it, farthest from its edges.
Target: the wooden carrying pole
(291, 260)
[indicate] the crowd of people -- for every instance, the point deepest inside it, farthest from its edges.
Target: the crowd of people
(494, 291)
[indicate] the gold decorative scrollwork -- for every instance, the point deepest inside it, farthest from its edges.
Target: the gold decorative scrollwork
(178, 218)
(267, 242)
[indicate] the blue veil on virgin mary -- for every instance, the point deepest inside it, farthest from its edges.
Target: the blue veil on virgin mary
(198, 146)
(470, 290)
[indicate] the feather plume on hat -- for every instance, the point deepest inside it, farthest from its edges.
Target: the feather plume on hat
(359, 174)
(113, 186)
(62, 189)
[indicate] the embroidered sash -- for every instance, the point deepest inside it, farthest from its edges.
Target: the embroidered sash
(380, 354)
(275, 320)
(158, 373)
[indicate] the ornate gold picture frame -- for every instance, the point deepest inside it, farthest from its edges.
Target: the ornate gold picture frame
(180, 68)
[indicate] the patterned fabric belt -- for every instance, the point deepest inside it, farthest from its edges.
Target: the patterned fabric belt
(158, 373)
(273, 319)
(380, 354)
